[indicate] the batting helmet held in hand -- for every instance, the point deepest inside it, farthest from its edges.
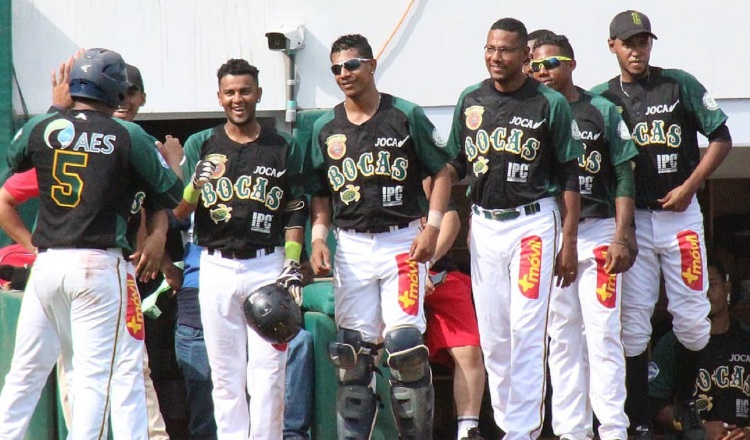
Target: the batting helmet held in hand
(99, 74)
(272, 313)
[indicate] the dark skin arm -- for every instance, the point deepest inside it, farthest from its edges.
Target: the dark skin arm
(618, 254)
(320, 214)
(566, 263)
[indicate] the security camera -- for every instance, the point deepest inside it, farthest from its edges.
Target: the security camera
(286, 38)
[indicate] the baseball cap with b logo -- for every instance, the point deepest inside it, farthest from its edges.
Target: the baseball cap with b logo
(629, 23)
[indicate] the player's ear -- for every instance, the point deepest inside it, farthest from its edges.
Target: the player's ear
(260, 94)
(573, 65)
(611, 44)
(143, 98)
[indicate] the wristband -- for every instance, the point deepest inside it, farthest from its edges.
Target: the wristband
(435, 219)
(190, 194)
(293, 251)
(319, 232)
(620, 242)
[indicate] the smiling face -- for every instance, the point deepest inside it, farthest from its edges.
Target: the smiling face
(130, 106)
(556, 77)
(354, 82)
(239, 95)
(504, 56)
(633, 55)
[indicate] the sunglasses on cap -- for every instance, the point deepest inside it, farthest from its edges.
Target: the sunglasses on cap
(351, 65)
(549, 63)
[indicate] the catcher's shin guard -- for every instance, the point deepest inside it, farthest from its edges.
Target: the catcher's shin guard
(412, 394)
(356, 405)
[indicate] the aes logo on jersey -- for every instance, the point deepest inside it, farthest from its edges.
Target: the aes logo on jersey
(336, 146)
(65, 133)
(474, 116)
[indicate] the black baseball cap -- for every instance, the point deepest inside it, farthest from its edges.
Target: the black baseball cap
(134, 77)
(629, 23)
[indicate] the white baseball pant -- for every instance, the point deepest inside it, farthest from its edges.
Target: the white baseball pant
(671, 243)
(512, 267)
(376, 288)
(241, 362)
(585, 329)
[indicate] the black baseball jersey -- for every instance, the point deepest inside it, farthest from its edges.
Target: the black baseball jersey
(722, 387)
(664, 112)
(606, 144)
(244, 204)
(89, 167)
(374, 171)
(512, 142)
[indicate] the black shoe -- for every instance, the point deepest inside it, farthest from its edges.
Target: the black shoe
(692, 426)
(473, 435)
(643, 432)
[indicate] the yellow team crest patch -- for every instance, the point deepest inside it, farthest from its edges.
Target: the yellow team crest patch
(474, 116)
(222, 213)
(219, 160)
(336, 146)
(480, 166)
(350, 194)
(636, 18)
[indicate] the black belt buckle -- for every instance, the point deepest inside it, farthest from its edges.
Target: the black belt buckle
(381, 229)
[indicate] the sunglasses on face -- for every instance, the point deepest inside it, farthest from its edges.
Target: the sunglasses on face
(351, 65)
(549, 63)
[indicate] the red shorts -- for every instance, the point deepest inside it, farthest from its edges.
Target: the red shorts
(451, 319)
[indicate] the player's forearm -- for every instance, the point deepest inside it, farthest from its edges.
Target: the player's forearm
(715, 154)
(441, 190)
(571, 201)
(320, 211)
(624, 207)
(184, 209)
(13, 225)
(293, 239)
(449, 229)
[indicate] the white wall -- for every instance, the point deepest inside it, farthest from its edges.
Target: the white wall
(437, 51)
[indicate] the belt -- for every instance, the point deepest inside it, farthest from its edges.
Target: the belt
(503, 215)
(380, 229)
(244, 254)
(112, 249)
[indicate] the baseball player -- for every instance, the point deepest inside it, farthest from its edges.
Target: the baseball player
(515, 140)
(664, 110)
(371, 153)
(720, 387)
(592, 301)
(133, 361)
(89, 167)
(248, 182)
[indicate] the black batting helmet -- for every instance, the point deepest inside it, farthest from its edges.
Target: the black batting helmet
(99, 74)
(272, 313)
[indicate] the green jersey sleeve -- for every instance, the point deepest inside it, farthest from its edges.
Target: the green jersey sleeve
(192, 150)
(295, 163)
(164, 188)
(433, 151)
(621, 145)
(315, 182)
(661, 369)
(18, 156)
(698, 101)
(565, 134)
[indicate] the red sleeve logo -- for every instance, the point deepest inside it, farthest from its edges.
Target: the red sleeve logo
(408, 284)
(133, 314)
(692, 262)
(606, 283)
(530, 266)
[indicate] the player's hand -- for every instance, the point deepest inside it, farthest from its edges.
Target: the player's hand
(148, 258)
(618, 257)
(173, 275)
(320, 257)
(424, 244)
(290, 278)
(678, 199)
(60, 87)
(566, 265)
(734, 432)
(171, 151)
(429, 288)
(204, 169)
